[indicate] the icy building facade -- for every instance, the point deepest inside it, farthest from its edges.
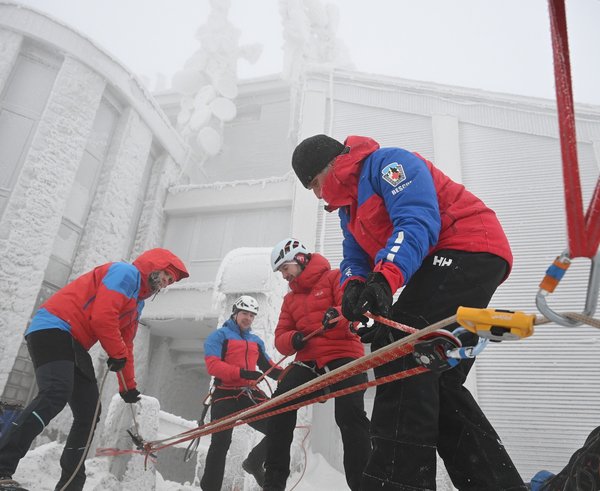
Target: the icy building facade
(86, 159)
(504, 148)
(94, 170)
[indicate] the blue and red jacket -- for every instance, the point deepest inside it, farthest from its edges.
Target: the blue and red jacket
(105, 305)
(229, 349)
(396, 208)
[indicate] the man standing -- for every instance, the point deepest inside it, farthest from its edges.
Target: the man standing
(311, 305)
(232, 354)
(406, 224)
(102, 305)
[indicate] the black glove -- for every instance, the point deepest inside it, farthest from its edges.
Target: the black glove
(298, 341)
(376, 296)
(352, 292)
(330, 314)
(116, 364)
(366, 333)
(130, 396)
(250, 374)
(275, 373)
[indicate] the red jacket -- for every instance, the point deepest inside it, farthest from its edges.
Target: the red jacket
(105, 304)
(315, 290)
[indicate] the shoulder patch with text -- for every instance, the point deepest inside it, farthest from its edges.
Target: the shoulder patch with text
(393, 173)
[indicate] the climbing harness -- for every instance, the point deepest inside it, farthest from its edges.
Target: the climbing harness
(306, 338)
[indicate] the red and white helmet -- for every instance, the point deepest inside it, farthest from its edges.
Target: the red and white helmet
(286, 252)
(247, 303)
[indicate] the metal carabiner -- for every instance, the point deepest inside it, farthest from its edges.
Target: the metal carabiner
(554, 274)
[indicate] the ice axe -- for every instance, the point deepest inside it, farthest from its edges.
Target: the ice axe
(136, 438)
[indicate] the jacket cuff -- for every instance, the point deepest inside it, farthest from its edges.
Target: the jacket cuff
(391, 273)
(359, 278)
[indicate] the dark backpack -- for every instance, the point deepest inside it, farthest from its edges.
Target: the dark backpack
(582, 473)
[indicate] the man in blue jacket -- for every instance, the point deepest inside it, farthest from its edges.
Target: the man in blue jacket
(406, 224)
(232, 354)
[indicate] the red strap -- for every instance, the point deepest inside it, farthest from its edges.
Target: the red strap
(584, 235)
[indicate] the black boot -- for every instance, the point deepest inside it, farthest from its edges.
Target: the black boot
(256, 469)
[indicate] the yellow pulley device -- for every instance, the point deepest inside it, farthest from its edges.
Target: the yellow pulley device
(496, 324)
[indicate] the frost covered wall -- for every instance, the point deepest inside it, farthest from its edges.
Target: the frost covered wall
(87, 158)
(36, 206)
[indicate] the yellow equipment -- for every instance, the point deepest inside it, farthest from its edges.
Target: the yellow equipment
(496, 324)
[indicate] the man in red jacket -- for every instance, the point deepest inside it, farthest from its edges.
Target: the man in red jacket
(102, 305)
(314, 300)
(406, 224)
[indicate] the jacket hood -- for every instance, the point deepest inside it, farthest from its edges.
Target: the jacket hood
(340, 187)
(311, 274)
(156, 260)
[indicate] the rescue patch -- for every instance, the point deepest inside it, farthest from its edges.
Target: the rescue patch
(393, 173)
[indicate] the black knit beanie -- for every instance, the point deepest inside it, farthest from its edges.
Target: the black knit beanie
(312, 155)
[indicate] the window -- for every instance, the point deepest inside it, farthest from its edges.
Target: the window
(21, 105)
(204, 240)
(82, 194)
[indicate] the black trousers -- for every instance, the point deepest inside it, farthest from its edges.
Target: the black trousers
(226, 402)
(414, 417)
(65, 375)
(350, 417)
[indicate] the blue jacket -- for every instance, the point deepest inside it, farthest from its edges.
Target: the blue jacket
(229, 349)
(396, 208)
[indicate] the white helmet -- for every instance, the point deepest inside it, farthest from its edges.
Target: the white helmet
(286, 251)
(247, 303)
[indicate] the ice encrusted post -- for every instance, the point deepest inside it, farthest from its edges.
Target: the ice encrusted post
(129, 469)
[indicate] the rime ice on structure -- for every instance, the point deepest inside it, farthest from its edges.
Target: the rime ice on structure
(309, 41)
(208, 81)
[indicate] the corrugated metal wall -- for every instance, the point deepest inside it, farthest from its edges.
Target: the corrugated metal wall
(541, 394)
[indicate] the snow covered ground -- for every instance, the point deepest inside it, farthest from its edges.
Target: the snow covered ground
(39, 471)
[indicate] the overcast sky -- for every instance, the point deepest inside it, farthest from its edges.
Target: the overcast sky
(497, 45)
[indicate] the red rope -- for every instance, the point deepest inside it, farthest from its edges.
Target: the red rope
(578, 227)
(380, 357)
(250, 415)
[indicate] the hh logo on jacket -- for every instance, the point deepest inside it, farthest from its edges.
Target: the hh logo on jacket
(441, 261)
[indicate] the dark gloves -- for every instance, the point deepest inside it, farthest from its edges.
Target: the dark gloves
(130, 396)
(298, 341)
(368, 334)
(376, 296)
(330, 314)
(352, 292)
(275, 373)
(250, 374)
(116, 364)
